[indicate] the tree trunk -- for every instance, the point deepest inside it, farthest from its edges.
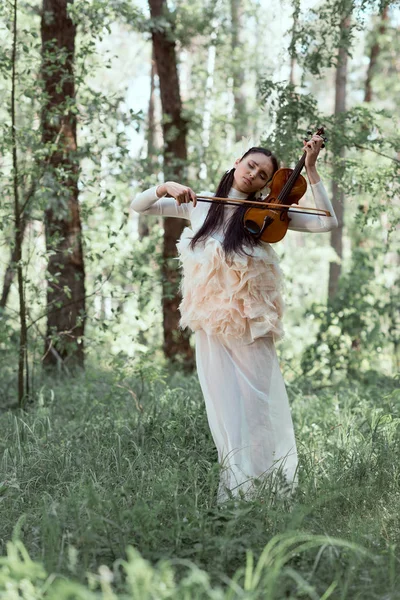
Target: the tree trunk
(238, 54)
(11, 267)
(209, 99)
(143, 227)
(176, 342)
(393, 256)
(23, 373)
(65, 271)
(292, 47)
(337, 193)
(151, 116)
(373, 57)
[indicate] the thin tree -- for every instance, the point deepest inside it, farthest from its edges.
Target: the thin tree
(239, 96)
(337, 191)
(143, 227)
(392, 256)
(209, 95)
(373, 57)
(292, 45)
(176, 342)
(65, 271)
(23, 385)
(11, 267)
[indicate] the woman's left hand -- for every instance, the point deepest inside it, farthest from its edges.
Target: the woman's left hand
(312, 147)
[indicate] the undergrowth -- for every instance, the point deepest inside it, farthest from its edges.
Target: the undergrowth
(108, 490)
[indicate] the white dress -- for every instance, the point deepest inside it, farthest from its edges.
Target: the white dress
(235, 306)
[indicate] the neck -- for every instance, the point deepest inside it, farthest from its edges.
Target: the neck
(234, 191)
(234, 186)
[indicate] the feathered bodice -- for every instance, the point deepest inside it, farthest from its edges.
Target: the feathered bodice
(236, 297)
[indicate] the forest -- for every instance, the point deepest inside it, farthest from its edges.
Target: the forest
(108, 469)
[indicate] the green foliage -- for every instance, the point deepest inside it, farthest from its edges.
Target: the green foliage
(358, 129)
(320, 31)
(293, 113)
(357, 332)
(102, 150)
(358, 323)
(123, 275)
(20, 576)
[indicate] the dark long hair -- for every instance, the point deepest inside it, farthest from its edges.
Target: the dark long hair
(235, 235)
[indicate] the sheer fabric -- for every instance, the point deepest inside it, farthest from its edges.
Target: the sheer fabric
(247, 410)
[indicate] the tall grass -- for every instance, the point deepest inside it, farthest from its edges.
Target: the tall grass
(108, 473)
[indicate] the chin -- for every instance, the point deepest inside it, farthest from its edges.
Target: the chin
(240, 188)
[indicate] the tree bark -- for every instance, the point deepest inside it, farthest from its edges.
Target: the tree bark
(176, 342)
(11, 267)
(292, 47)
(143, 223)
(208, 99)
(373, 57)
(65, 271)
(23, 374)
(151, 116)
(239, 96)
(337, 193)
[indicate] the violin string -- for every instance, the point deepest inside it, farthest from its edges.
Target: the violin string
(296, 172)
(291, 180)
(294, 175)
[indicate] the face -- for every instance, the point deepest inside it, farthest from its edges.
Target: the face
(252, 173)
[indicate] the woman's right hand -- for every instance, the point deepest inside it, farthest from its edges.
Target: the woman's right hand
(182, 193)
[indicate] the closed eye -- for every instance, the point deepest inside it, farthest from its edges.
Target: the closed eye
(263, 177)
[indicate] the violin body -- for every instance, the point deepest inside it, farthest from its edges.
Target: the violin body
(271, 224)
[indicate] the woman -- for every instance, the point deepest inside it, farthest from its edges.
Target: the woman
(231, 299)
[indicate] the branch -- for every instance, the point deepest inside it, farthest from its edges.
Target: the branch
(396, 160)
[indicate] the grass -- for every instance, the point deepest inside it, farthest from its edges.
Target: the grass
(116, 471)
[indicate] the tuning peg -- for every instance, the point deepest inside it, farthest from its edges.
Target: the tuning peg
(323, 146)
(309, 132)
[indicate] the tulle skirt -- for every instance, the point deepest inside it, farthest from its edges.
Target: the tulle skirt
(248, 413)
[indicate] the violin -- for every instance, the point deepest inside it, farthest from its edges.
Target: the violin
(287, 187)
(268, 220)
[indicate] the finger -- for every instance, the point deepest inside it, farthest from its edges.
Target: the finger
(194, 197)
(319, 141)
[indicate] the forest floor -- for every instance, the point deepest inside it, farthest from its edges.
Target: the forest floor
(109, 486)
